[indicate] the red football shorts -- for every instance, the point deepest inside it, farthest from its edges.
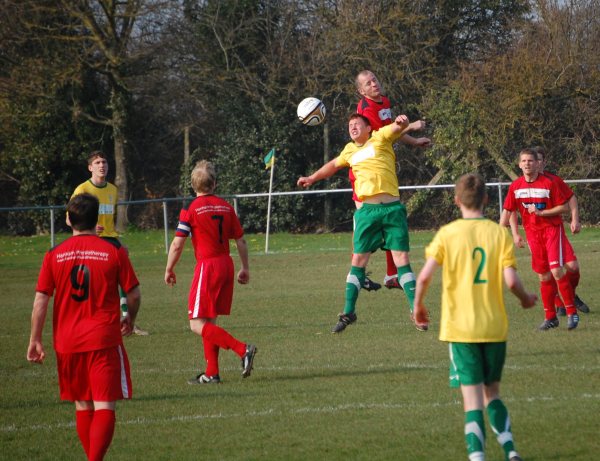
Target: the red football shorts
(101, 376)
(211, 292)
(550, 248)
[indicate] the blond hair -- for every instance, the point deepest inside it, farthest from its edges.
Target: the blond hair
(204, 177)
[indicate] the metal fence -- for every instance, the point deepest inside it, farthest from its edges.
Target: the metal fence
(164, 202)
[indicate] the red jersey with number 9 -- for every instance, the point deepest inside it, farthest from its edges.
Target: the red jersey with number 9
(211, 221)
(86, 271)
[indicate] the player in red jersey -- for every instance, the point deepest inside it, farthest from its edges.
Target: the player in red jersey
(571, 264)
(211, 222)
(540, 201)
(84, 273)
(377, 108)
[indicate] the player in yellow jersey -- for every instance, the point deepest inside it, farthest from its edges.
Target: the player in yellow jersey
(381, 221)
(106, 193)
(475, 254)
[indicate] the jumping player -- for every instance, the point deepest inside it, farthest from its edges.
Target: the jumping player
(211, 222)
(84, 273)
(377, 108)
(475, 254)
(381, 221)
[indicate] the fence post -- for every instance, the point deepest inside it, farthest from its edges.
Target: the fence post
(52, 236)
(500, 198)
(166, 226)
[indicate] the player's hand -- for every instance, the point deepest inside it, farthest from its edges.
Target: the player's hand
(420, 313)
(243, 276)
(35, 352)
(305, 181)
(170, 278)
(533, 210)
(529, 301)
(126, 325)
(575, 227)
(401, 120)
(519, 241)
(423, 142)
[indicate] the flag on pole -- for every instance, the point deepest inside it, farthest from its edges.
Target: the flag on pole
(269, 159)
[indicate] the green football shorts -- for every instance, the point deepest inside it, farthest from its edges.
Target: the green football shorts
(476, 363)
(380, 226)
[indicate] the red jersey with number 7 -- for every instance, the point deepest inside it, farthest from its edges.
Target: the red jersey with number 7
(211, 221)
(84, 273)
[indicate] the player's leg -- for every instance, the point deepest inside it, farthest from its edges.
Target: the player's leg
(391, 277)
(494, 355)
(556, 246)
(572, 268)
(102, 429)
(548, 288)
(366, 238)
(84, 415)
(468, 363)
(395, 231)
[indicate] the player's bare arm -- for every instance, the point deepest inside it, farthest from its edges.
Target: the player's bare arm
(415, 142)
(575, 223)
(134, 299)
(326, 171)
(174, 254)
(243, 275)
(35, 351)
(423, 280)
(513, 282)
(514, 229)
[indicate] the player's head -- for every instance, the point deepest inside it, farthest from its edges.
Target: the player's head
(98, 165)
(367, 85)
(528, 161)
(470, 191)
(359, 128)
(541, 156)
(82, 212)
(204, 177)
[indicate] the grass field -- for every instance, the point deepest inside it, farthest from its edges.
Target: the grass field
(378, 391)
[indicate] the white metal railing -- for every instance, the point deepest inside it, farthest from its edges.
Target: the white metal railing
(236, 197)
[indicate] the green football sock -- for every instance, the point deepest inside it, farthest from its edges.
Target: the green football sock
(123, 300)
(408, 282)
(500, 422)
(475, 435)
(354, 281)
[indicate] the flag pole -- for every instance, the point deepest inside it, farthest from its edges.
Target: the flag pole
(269, 208)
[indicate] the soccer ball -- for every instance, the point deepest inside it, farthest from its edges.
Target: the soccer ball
(311, 111)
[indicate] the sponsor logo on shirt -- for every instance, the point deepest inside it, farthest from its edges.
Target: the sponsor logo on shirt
(532, 192)
(362, 154)
(385, 114)
(106, 208)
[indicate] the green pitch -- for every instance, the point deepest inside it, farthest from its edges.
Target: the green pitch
(378, 391)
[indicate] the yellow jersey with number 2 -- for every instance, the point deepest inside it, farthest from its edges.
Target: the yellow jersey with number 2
(473, 254)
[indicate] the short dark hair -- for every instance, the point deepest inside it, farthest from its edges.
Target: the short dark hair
(356, 115)
(470, 191)
(94, 155)
(539, 150)
(83, 211)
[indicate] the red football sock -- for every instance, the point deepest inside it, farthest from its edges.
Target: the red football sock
(567, 294)
(548, 290)
(83, 421)
(211, 354)
(217, 335)
(558, 301)
(574, 278)
(391, 268)
(101, 433)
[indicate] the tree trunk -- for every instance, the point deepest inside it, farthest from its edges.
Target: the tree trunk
(119, 116)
